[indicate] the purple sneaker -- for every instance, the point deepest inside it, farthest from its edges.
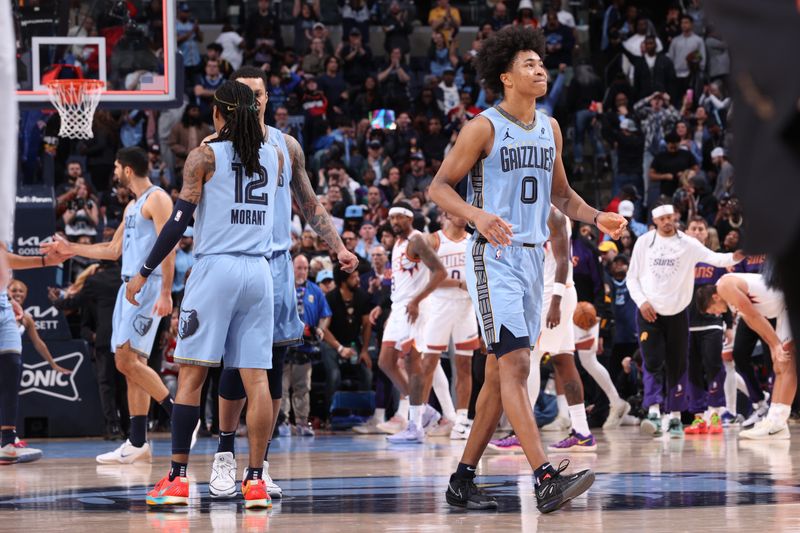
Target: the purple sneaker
(575, 443)
(509, 444)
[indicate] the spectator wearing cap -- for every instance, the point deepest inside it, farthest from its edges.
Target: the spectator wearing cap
(724, 183)
(347, 337)
(353, 217)
(446, 19)
(394, 79)
(653, 71)
(159, 171)
(262, 34)
(608, 251)
(525, 15)
(670, 169)
(214, 53)
(184, 260)
(440, 55)
(397, 28)
(447, 91)
(320, 31)
(376, 160)
(325, 281)
(232, 44)
(418, 179)
(356, 58)
(629, 145)
(187, 135)
(188, 37)
(305, 15)
(656, 118)
(626, 209)
(367, 239)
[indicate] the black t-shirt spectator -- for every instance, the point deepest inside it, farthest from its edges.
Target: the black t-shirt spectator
(672, 163)
(357, 69)
(347, 315)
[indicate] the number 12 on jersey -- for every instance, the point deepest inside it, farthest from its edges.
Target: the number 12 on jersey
(247, 193)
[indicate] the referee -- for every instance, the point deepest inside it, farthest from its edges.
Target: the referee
(661, 282)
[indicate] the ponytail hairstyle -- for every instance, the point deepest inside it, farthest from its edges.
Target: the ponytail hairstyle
(237, 105)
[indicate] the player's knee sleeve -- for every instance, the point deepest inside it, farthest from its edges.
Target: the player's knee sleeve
(230, 385)
(10, 373)
(275, 374)
(509, 343)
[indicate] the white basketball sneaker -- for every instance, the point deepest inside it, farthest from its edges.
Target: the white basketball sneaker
(394, 425)
(370, 427)
(766, 430)
(616, 413)
(222, 483)
(127, 454)
(25, 454)
(273, 489)
(430, 418)
(443, 429)
(461, 430)
(8, 454)
(559, 424)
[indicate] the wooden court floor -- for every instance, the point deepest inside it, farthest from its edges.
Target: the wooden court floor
(350, 483)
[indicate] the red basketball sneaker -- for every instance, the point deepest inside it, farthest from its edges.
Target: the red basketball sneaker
(255, 494)
(698, 427)
(715, 425)
(166, 492)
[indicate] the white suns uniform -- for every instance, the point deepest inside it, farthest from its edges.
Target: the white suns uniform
(768, 302)
(450, 311)
(409, 277)
(583, 335)
(560, 339)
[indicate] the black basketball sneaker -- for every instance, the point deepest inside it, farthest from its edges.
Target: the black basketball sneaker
(556, 490)
(463, 492)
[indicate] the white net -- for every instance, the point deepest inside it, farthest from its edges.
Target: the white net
(76, 102)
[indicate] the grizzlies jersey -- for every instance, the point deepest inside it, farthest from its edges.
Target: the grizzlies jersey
(281, 232)
(138, 237)
(514, 180)
(550, 261)
(235, 214)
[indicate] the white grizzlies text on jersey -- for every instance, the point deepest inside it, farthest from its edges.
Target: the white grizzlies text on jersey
(514, 180)
(409, 275)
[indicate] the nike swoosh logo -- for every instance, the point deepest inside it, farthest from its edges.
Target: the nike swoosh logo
(774, 432)
(456, 492)
(584, 441)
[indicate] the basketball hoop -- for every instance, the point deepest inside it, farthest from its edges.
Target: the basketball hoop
(76, 101)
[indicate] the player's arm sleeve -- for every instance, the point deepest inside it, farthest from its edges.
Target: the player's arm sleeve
(635, 270)
(169, 237)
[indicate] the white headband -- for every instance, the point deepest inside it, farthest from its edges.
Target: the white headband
(401, 211)
(662, 210)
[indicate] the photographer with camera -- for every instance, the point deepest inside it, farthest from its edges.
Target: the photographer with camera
(316, 315)
(82, 214)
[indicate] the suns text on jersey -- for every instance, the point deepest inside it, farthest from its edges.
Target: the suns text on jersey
(249, 217)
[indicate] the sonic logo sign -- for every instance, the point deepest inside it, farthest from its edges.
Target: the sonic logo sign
(40, 378)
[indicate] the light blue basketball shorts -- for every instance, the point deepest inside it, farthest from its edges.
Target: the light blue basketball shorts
(288, 329)
(137, 325)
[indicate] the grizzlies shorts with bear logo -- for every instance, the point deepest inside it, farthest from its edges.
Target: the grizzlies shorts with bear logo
(506, 286)
(10, 339)
(137, 325)
(227, 311)
(288, 330)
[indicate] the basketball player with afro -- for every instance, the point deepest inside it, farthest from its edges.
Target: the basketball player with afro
(513, 155)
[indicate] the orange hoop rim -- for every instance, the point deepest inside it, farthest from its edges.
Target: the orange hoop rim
(86, 85)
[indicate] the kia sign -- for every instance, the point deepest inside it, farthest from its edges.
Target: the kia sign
(40, 378)
(52, 404)
(35, 223)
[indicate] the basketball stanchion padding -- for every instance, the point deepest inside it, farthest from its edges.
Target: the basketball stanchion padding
(76, 101)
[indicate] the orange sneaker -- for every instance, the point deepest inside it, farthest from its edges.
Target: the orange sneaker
(255, 494)
(166, 492)
(715, 425)
(698, 427)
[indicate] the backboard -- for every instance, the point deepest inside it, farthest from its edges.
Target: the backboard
(128, 44)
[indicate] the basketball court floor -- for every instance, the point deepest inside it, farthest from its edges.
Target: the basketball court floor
(360, 483)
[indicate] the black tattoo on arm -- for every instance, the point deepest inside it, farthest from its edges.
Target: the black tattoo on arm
(316, 215)
(197, 169)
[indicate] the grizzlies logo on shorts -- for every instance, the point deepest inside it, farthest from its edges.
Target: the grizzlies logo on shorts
(188, 323)
(134, 324)
(142, 324)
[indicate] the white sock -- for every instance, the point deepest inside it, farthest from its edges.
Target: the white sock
(563, 406)
(415, 414)
(741, 385)
(535, 376)
(442, 389)
(675, 415)
(402, 408)
(380, 414)
(654, 409)
(461, 415)
(730, 387)
(577, 414)
(599, 374)
(778, 413)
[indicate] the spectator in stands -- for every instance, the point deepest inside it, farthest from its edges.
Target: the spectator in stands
(307, 245)
(184, 260)
(367, 239)
(305, 14)
(687, 140)
(402, 140)
(498, 18)
(447, 91)
(653, 71)
(715, 103)
(624, 312)
(731, 240)
(626, 241)
(445, 19)
(350, 242)
(560, 42)
(101, 150)
(633, 44)
(355, 14)
(206, 86)
(82, 214)
(368, 98)
(584, 96)
(672, 167)
(376, 160)
(377, 279)
(189, 37)
(113, 204)
(724, 184)
(356, 58)
(319, 31)
(314, 60)
(347, 337)
(187, 135)
(397, 28)
(324, 278)
(626, 208)
(564, 16)
(418, 179)
(683, 46)
(232, 44)
(280, 86)
(315, 313)
(333, 85)
(525, 16)
(158, 170)
(66, 191)
(435, 140)
(611, 20)
(441, 56)
(657, 118)
(729, 218)
(262, 34)
(214, 53)
(719, 61)
(629, 145)
(394, 80)
(672, 24)
(376, 211)
(426, 104)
